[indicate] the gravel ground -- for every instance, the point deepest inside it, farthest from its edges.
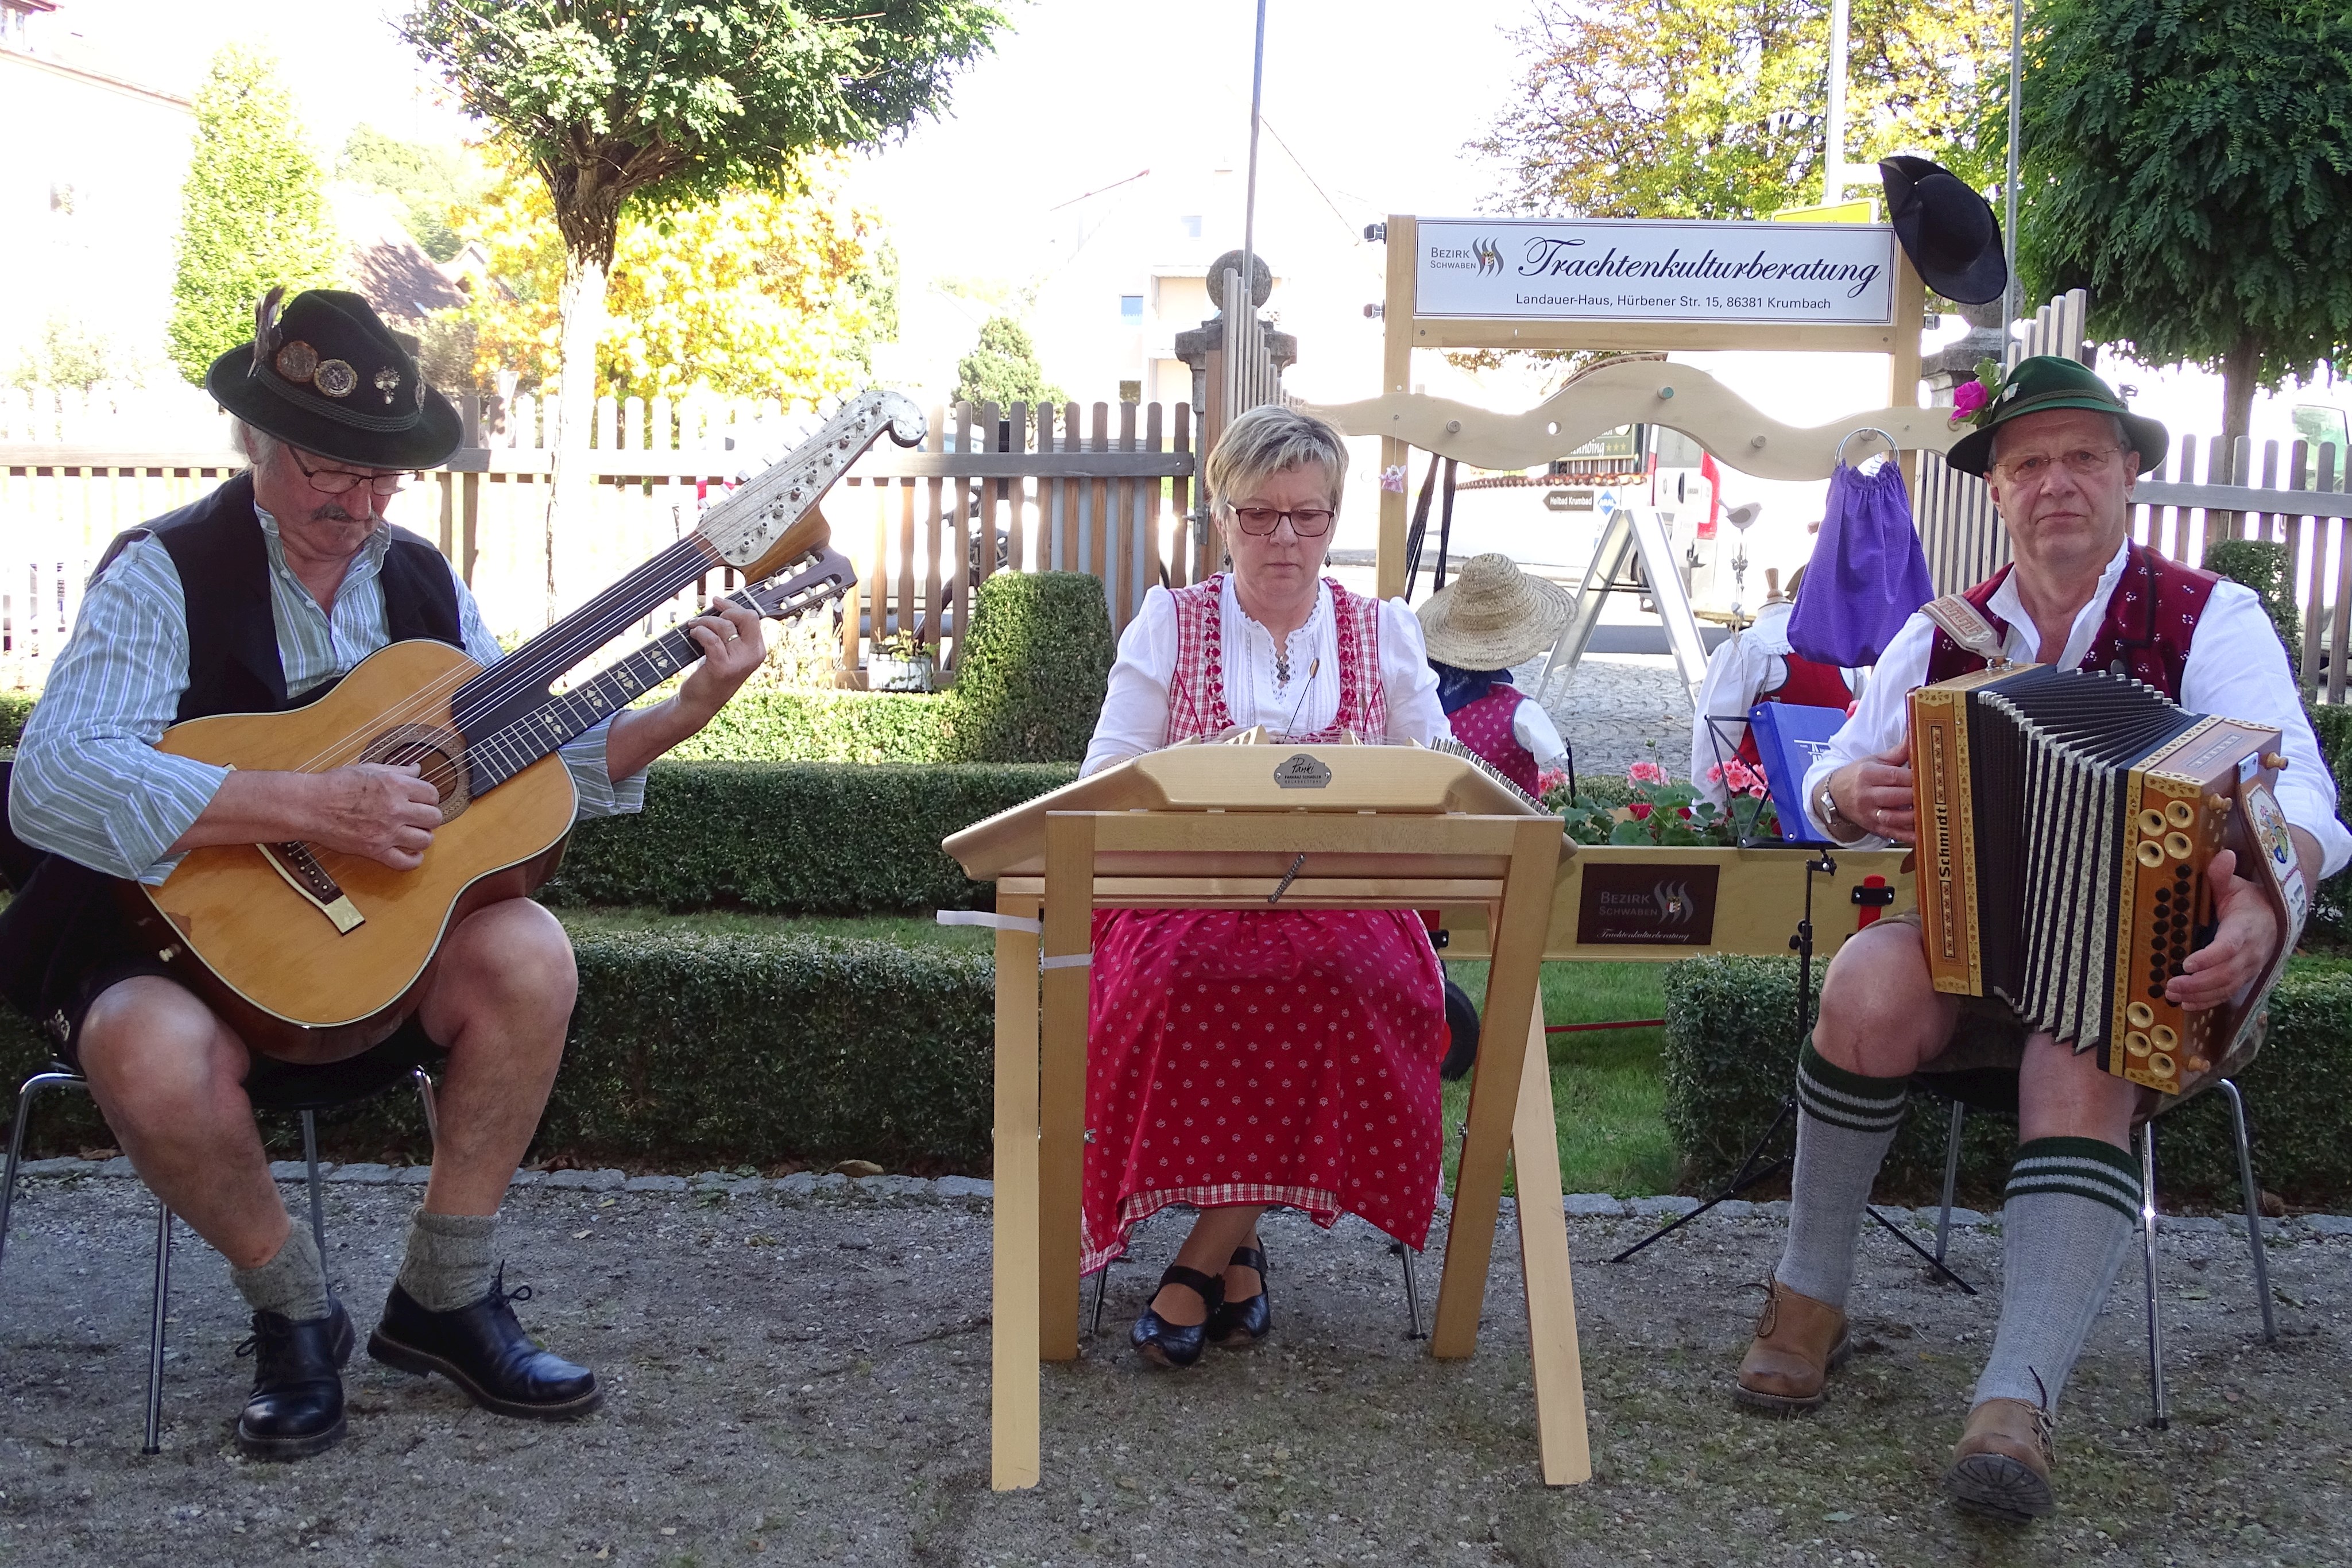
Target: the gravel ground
(1616, 707)
(803, 1379)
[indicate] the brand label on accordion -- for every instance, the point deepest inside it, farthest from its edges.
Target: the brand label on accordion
(1622, 905)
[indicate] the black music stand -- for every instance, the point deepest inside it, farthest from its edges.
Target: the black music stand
(1751, 1171)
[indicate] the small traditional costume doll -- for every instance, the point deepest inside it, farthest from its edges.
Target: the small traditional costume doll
(1756, 666)
(1491, 617)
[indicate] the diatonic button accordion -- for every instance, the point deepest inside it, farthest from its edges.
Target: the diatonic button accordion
(2065, 822)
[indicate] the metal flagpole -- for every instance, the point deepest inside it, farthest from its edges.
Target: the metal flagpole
(2013, 295)
(1249, 211)
(1833, 171)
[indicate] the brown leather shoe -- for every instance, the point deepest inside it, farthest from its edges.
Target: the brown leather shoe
(1798, 1343)
(2000, 1467)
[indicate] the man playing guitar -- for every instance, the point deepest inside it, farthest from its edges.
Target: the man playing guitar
(259, 597)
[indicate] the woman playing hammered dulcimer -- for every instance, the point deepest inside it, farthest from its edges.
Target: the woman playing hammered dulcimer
(1241, 1059)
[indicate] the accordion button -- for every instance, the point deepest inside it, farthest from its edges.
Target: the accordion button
(2160, 1064)
(2180, 814)
(2139, 1015)
(2136, 1043)
(2151, 824)
(2177, 845)
(2164, 1037)
(2151, 852)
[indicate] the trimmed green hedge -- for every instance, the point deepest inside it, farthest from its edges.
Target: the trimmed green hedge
(16, 707)
(1731, 1056)
(2267, 568)
(826, 727)
(716, 1050)
(794, 838)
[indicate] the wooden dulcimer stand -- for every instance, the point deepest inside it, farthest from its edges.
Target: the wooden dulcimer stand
(1238, 827)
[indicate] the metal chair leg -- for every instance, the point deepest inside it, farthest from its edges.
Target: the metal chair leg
(155, 1330)
(1951, 1179)
(24, 1098)
(1102, 1285)
(432, 1106)
(1403, 1255)
(2253, 1208)
(317, 1198)
(2163, 1415)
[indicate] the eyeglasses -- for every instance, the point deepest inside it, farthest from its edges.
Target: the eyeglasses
(2082, 463)
(335, 481)
(1307, 522)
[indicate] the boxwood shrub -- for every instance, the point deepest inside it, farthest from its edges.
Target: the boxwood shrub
(1731, 1054)
(689, 1049)
(2265, 567)
(794, 838)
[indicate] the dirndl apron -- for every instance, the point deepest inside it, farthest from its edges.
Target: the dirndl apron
(1262, 1056)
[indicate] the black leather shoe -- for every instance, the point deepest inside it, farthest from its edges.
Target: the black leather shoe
(1237, 1325)
(1178, 1344)
(482, 1350)
(297, 1408)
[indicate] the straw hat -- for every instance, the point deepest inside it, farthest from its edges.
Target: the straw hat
(1493, 616)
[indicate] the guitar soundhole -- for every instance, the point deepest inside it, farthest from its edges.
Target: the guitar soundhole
(437, 753)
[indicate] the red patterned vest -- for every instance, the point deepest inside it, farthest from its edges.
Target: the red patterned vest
(1484, 727)
(1196, 688)
(1807, 685)
(2151, 618)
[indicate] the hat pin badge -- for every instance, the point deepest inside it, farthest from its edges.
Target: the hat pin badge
(335, 378)
(297, 361)
(387, 381)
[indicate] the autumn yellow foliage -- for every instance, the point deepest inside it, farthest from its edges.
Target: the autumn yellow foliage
(753, 295)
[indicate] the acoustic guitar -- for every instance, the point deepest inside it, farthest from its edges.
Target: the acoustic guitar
(315, 956)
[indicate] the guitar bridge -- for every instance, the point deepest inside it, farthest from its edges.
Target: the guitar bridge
(293, 859)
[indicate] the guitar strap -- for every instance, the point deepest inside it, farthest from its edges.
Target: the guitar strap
(63, 925)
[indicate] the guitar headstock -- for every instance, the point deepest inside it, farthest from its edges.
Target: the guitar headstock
(823, 577)
(765, 512)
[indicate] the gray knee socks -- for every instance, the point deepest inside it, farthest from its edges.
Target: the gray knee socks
(448, 1263)
(292, 1283)
(1845, 1124)
(2071, 1206)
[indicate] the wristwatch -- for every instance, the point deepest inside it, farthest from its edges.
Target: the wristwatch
(1837, 824)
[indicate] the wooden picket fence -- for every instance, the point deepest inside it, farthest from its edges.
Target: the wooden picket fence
(1049, 488)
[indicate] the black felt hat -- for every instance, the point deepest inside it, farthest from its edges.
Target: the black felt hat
(328, 376)
(1946, 229)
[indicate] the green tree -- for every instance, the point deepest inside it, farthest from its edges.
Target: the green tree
(429, 181)
(2190, 164)
(1718, 109)
(252, 213)
(1002, 368)
(656, 102)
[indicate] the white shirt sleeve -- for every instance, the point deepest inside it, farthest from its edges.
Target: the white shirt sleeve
(1532, 727)
(1135, 704)
(2238, 669)
(1406, 679)
(1881, 719)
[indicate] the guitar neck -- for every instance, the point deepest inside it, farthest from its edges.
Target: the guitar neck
(515, 745)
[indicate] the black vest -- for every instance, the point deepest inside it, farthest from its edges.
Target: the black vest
(216, 544)
(63, 925)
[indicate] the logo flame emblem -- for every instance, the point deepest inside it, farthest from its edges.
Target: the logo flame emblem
(1489, 254)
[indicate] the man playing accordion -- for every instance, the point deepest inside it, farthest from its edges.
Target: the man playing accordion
(2060, 452)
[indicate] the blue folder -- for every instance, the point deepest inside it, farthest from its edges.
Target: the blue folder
(1789, 739)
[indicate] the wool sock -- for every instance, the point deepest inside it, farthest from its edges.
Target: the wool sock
(292, 1283)
(1845, 1124)
(2072, 1207)
(448, 1263)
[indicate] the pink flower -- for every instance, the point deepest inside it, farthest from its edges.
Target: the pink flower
(1759, 791)
(1715, 774)
(1645, 773)
(1968, 398)
(1738, 775)
(1550, 780)
(1641, 809)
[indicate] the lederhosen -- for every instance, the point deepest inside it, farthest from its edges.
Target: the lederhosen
(2151, 620)
(63, 937)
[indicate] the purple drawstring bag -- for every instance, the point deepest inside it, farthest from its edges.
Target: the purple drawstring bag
(1868, 574)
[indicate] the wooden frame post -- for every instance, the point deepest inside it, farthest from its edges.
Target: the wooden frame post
(1062, 1087)
(1396, 376)
(1561, 1431)
(1014, 1375)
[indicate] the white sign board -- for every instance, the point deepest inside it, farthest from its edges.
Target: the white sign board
(1617, 271)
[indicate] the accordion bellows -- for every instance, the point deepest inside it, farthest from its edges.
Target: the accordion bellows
(2066, 819)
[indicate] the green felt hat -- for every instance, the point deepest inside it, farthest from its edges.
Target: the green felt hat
(329, 376)
(2038, 385)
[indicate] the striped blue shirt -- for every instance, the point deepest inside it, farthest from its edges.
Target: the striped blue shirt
(88, 782)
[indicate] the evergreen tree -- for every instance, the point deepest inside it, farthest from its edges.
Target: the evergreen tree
(427, 181)
(1002, 368)
(252, 213)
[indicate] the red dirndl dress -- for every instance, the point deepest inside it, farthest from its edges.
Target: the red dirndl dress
(1262, 1057)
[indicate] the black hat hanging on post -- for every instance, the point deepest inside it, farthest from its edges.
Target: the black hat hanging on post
(1946, 229)
(327, 375)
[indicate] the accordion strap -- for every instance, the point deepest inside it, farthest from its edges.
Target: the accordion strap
(2261, 839)
(1965, 624)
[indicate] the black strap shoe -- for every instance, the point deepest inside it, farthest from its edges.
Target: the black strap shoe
(1178, 1344)
(1237, 1325)
(484, 1351)
(297, 1408)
